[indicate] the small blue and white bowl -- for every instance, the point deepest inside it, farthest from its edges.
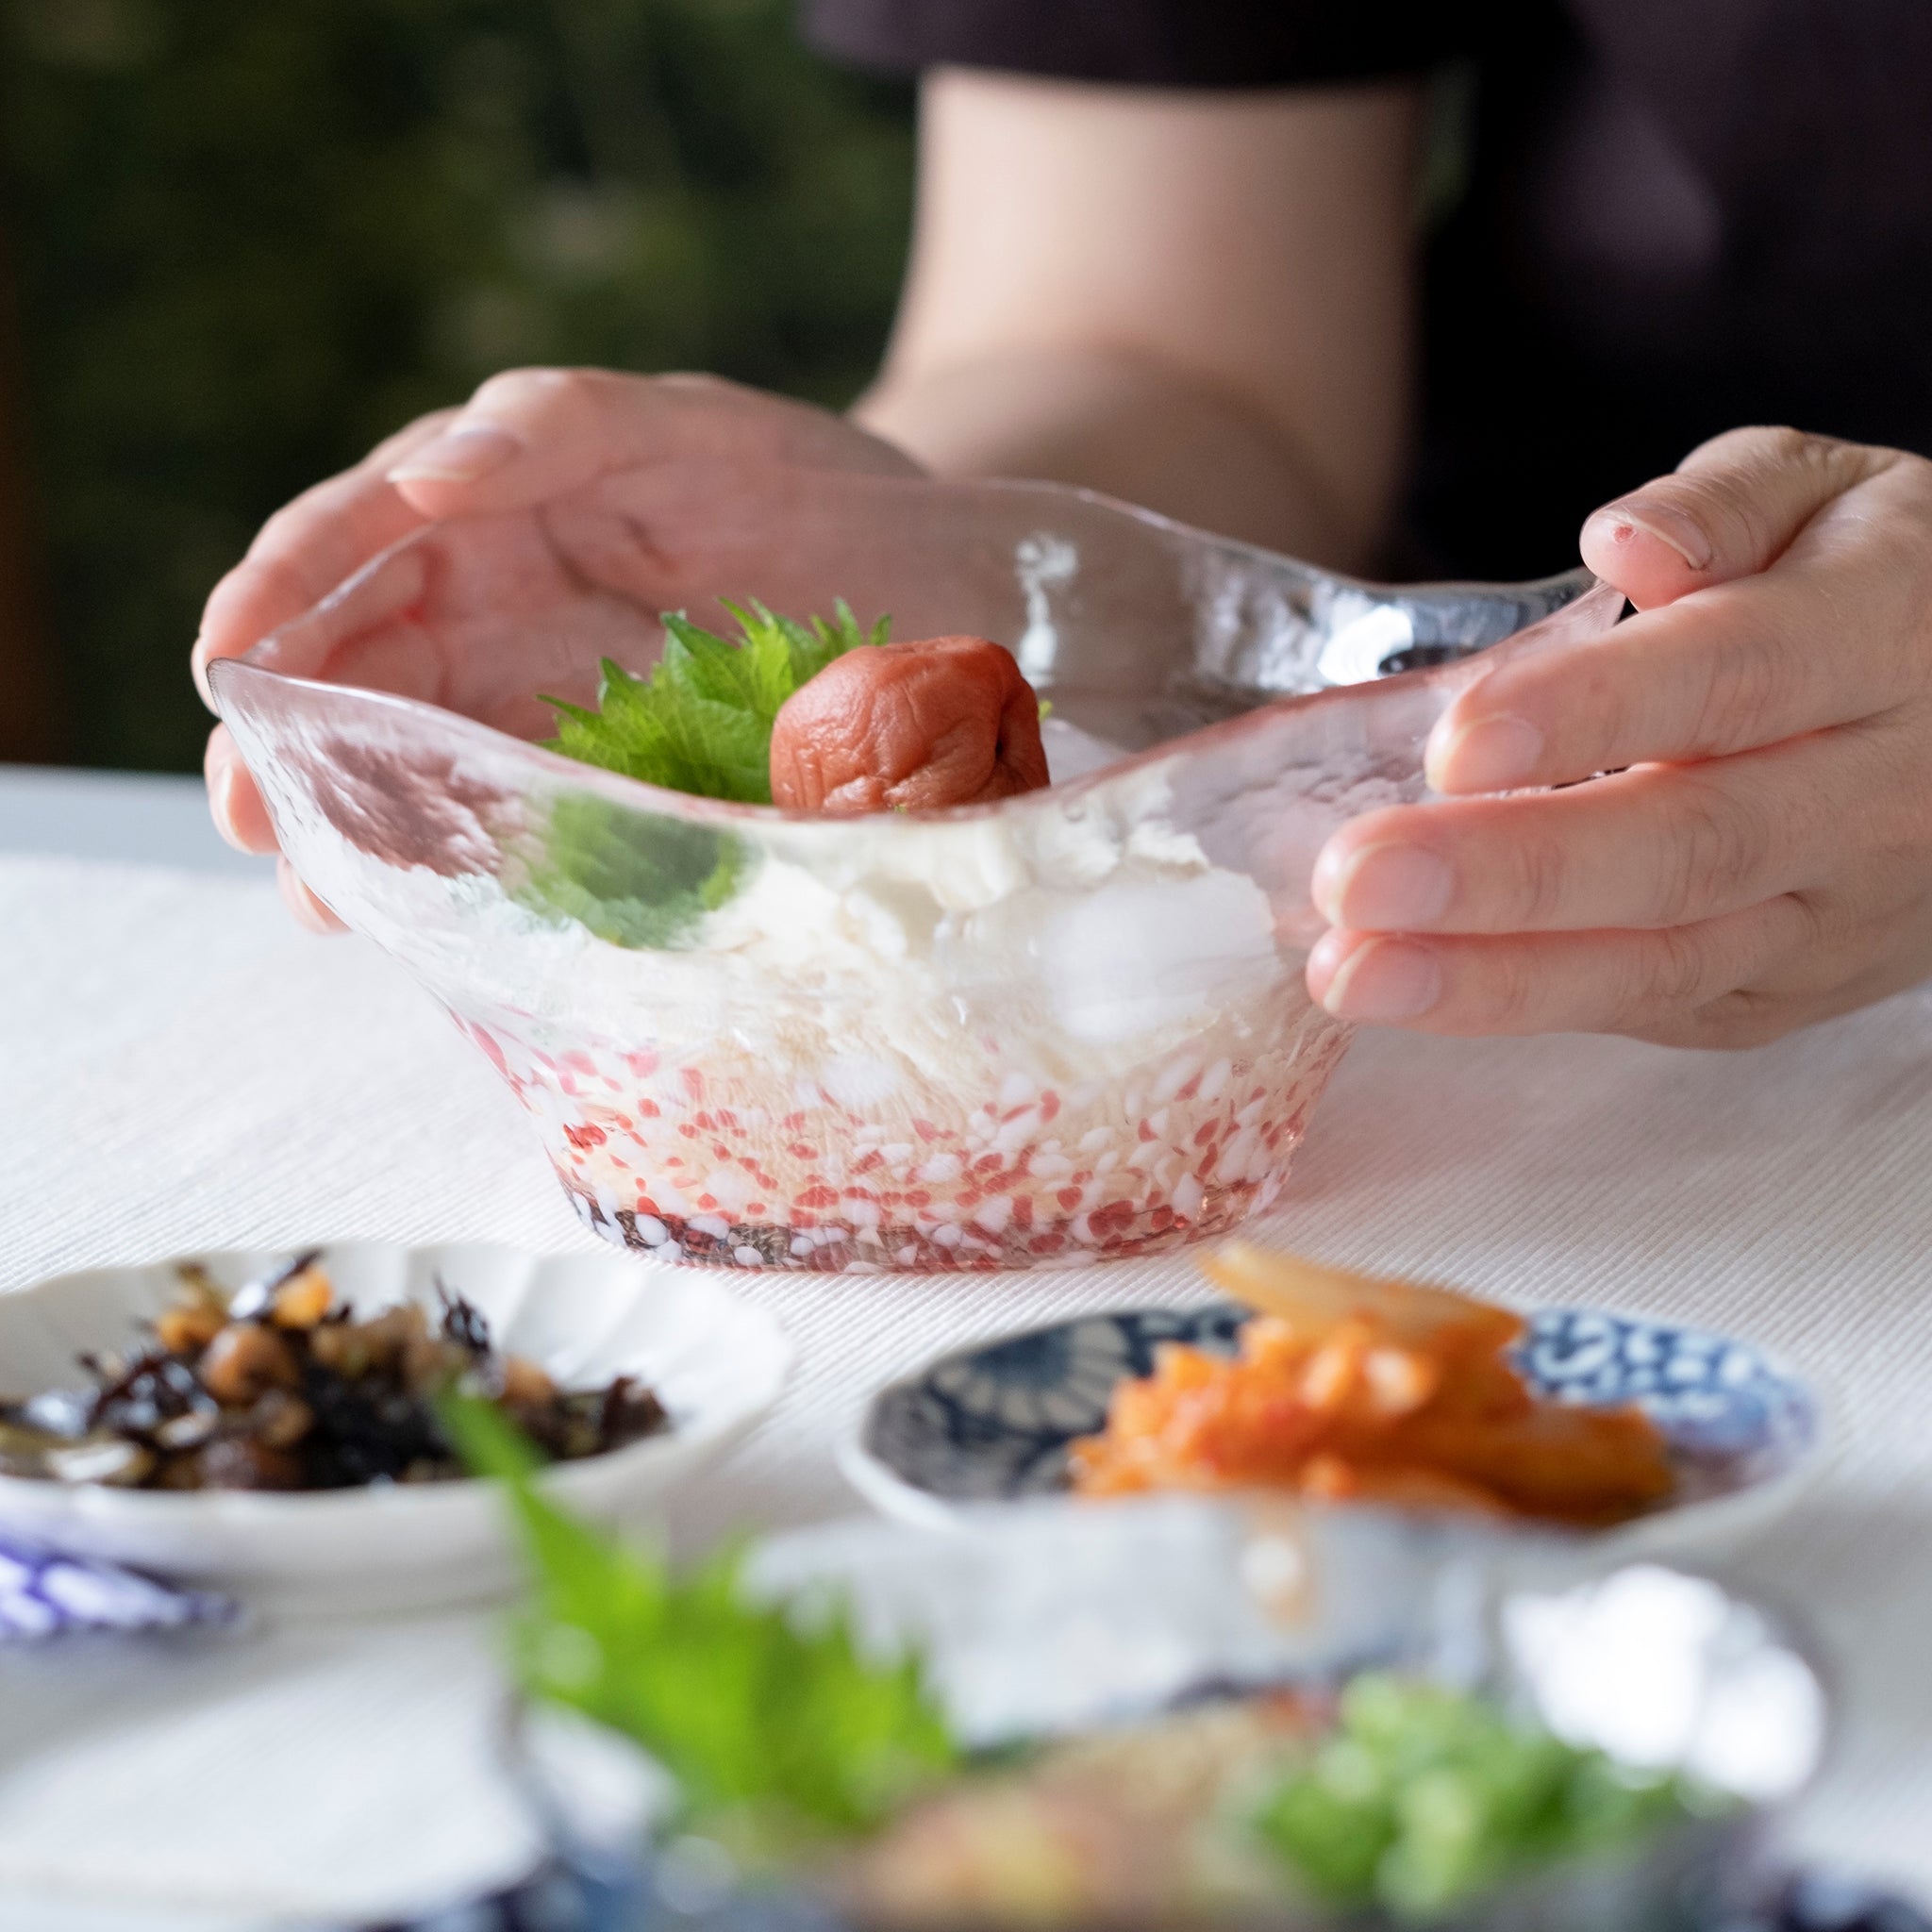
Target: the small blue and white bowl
(992, 1423)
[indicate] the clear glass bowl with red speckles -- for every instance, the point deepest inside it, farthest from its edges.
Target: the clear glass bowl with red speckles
(1066, 1026)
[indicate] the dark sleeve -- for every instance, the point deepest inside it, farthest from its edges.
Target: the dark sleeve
(1208, 43)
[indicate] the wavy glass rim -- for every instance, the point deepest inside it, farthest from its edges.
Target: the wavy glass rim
(236, 673)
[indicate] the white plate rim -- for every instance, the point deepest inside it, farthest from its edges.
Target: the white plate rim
(35, 1501)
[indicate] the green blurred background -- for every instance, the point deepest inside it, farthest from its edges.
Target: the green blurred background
(245, 239)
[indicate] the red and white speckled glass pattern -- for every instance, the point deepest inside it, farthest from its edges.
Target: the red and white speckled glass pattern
(693, 1160)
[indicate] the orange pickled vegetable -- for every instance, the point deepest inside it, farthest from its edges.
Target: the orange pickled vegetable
(915, 727)
(1313, 1296)
(1350, 1389)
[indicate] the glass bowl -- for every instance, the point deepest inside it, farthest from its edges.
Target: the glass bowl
(1067, 1027)
(1040, 1620)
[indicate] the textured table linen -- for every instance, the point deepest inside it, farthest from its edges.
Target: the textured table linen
(182, 1069)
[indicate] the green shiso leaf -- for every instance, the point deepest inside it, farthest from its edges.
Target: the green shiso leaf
(1425, 1798)
(634, 878)
(701, 721)
(777, 1731)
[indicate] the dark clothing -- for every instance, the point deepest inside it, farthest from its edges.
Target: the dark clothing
(1677, 216)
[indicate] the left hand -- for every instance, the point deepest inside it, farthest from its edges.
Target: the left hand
(554, 501)
(1760, 856)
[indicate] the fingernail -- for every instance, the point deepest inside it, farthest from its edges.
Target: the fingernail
(308, 910)
(1386, 980)
(1383, 887)
(462, 455)
(1487, 755)
(221, 804)
(1620, 522)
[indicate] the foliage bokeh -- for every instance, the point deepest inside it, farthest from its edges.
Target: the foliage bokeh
(247, 241)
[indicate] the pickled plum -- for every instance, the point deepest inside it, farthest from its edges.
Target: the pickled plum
(912, 727)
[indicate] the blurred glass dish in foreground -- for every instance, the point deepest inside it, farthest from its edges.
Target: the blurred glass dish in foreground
(1143, 1704)
(1069, 1025)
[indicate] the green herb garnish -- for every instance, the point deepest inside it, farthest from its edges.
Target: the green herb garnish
(1425, 1798)
(776, 1733)
(702, 721)
(635, 878)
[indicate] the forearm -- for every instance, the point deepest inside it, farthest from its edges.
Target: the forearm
(1126, 425)
(1197, 301)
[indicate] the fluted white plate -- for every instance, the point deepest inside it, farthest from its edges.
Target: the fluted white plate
(716, 1362)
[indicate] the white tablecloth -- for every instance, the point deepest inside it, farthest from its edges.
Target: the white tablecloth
(179, 1068)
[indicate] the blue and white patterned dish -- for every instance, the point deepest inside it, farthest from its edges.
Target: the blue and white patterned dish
(42, 1595)
(992, 1423)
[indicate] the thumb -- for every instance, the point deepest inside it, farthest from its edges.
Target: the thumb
(1729, 510)
(525, 436)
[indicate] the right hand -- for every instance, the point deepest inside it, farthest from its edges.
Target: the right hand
(570, 485)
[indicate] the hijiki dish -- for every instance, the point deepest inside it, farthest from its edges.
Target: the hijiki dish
(278, 1386)
(942, 1039)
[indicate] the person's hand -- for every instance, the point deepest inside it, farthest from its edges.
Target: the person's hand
(573, 491)
(1761, 856)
